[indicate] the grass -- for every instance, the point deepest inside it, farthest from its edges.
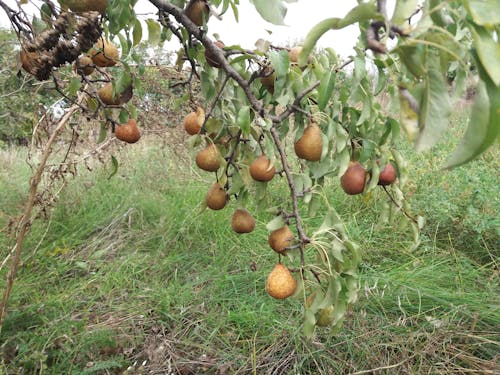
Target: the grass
(129, 275)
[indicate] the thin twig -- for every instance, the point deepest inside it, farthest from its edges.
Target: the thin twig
(399, 207)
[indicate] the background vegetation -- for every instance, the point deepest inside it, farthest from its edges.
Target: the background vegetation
(130, 275)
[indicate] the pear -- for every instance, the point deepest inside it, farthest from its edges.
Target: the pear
(260, 171)
(208, 159)
(310, 145)
(194, 121)
(80, 6)
(128, 132)
(353, 180)
(388, 175)
(324, 317)
(209, 56)
(104, 53)
(280, 283)
(242, 221)
(216, 197)
(268, 79)
(28, 61)
(281, 238)
(197, 11)
(106, 95)
(83, 65)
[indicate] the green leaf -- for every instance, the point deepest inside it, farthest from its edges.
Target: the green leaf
(413, 56)
(484, 125)
(403, 10)
(362, 12)
(243, 119)
(273, 11)
(74, 85)
(102, 133)
(280, 62)
(123, 81)
(435, 109)
(123, 116)
(154, 32)
(114, 164)
(276, 223)
(137, 32)
(325, 90)
(488, 51)
(484, 13)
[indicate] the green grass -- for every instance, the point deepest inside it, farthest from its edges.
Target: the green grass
(130, 272)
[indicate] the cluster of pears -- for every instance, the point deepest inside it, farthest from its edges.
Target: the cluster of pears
(354, 179)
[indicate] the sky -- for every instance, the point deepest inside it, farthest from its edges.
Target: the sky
(301, 17)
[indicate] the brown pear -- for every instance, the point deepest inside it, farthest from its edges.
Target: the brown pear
(353, 180)
(260, 171)
(280, 239)
(310, 144)
(387, 175)
(194, 121)
(280, 283)
(293, 54)
(216, 197)
(242, 221)
(128, 132)
(209, 56)
(104, 53)
(28, 61)
(83, 65)
(197, 11)
(208, 159)
(268, 79)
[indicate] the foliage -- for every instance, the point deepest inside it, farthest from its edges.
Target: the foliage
(261, 102)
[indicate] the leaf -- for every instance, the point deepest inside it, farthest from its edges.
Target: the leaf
(435, 109)
(403, 10)
(280, 62)
(325, 90)
(276, 223)
(484, 13)
(273, 11)
(123, 82)
(362, 12)
(484, 125)
(154, 32)
(102, 133)
(408, 113)
(488, 51)
(137, 32)
(74, 85)
(114, 163)
(243, 119)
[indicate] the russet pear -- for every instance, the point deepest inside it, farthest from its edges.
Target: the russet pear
(387, 175)
(242, 221)
(194, 121)
(197, 11)
(128, 132)
(310, 144)
(281, 238)
(208, 159)
(104, 53)
(216, 197)
(260, 169)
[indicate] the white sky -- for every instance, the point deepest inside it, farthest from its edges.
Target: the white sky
(301, 17)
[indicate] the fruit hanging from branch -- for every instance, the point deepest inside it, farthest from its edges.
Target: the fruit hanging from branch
(280, 283)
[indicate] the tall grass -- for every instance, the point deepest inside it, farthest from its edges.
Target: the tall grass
(131, 274)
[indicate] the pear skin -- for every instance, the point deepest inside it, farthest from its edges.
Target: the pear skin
(208, 159)
(280, 283)
(216, 197)
(353, 180)
(260, 171)
(280, 239)
(310, 144)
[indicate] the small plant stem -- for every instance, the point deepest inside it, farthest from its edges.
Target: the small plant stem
(25, 220)
(212, 106)
(398, 206)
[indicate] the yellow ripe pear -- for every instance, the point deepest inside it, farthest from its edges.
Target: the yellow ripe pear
(104, 53)
(128, 132)
(208, 159)
(216, 197)
(310, 144)
(281, 238)
(280, 283)
(242, 221)
(80, 6)
(194, 121)
(197, 11)
(260, 169)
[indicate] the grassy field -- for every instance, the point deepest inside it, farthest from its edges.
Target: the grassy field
(128, 275)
